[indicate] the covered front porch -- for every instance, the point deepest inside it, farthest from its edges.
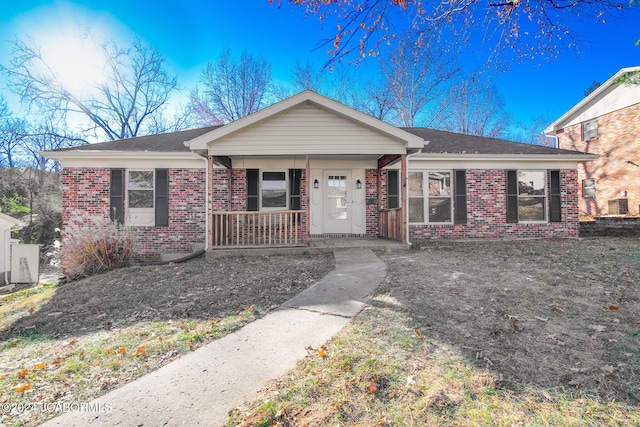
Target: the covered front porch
(266, 201)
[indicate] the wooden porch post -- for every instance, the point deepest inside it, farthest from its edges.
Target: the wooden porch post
(404, 208)
(307, 207)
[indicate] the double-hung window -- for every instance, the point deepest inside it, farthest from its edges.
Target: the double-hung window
(140, 189)
(274, 190)
(588, 187)
(590, 130)
(139, 197)
(432, 198)
(534, 196)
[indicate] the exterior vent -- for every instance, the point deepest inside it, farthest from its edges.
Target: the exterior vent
(618, 206)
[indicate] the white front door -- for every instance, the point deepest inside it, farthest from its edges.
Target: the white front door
(337, 202)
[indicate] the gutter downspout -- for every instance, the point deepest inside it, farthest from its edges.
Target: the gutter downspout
(206, 198)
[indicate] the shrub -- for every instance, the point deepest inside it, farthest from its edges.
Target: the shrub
(94, 244)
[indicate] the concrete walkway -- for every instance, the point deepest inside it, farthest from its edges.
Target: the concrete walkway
(202, 387)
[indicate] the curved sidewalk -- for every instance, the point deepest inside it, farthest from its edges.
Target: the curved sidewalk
(201, 387)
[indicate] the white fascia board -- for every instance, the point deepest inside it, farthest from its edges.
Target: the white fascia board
(557, 125)
(126, 159)
(448, 161)
(412, 141)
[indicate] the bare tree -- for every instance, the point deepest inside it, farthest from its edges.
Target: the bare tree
(415, 75)
(12, 135)
(130, 96)
(474, 108)
(532, 132)
(48, 133)
(305, 77)
(524, 27)
(232, 89)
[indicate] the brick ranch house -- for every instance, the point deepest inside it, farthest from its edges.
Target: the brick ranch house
(310, 166)
(606, 123)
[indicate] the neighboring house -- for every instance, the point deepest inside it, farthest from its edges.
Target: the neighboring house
(7, 223)
(309, 166)
(606, 123)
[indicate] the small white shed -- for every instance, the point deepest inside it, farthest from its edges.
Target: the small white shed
(7, 223)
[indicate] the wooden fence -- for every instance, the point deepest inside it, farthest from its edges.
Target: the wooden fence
(390, 224)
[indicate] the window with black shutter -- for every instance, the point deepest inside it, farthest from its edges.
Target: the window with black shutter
(460, 200)
(162, 198)
(555, 203)
(253, 186)
(116, 196)
(512, 196)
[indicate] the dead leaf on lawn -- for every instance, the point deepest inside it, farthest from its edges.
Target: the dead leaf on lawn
(611, 307)
(141, 350)
(21, 374)
(121, 350)
(22, 388)
(373, 387)
(418, 333)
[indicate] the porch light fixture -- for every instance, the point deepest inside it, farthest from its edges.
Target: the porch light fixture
(358, 184)
(316, 184)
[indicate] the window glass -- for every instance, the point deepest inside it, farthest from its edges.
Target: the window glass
(590, 130)
(274, 190)
(416, 197)
(532, 195)
(140, 189)
(589, 188)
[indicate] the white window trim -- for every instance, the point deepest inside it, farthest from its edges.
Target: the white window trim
(545, 197)
(425, 196)
(139, 217)
(286, 184)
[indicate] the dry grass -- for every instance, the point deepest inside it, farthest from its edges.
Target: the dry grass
(73, 342)
(507, 333)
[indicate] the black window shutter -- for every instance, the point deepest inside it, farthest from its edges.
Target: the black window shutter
(253, 184)
(162, 197)
(116, 196)
(393, 187)
(512, 196)
(460, 197)
(295, 185)
(555, 205)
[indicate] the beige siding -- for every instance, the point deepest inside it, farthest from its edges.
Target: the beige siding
(307, 129)
(618, 97)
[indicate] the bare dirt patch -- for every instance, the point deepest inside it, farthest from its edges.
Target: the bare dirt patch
(538, 313)
(201, 288)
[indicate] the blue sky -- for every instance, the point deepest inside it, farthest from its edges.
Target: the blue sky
(191, 32)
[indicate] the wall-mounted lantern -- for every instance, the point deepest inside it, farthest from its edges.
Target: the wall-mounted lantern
(358, 184)
(316, 184)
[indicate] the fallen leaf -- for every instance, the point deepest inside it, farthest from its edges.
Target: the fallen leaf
(392, 394)
(107, 350)
(373, 387)
(39, 366)
(418, 333)
(322, 351)
(22, 388)
(72, 342)
(611, 307)
(141, 350)
(22, 373)
(121, 350)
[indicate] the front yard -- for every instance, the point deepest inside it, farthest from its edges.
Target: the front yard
(506, 333)
(479, 333)
(70, 343)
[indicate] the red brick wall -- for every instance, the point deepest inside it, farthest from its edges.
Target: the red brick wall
(487, 212)
(86, 193)
(371, 184)
(618, 142)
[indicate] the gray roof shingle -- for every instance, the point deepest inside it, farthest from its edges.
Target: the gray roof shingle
(441, 142)
(171, 142)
